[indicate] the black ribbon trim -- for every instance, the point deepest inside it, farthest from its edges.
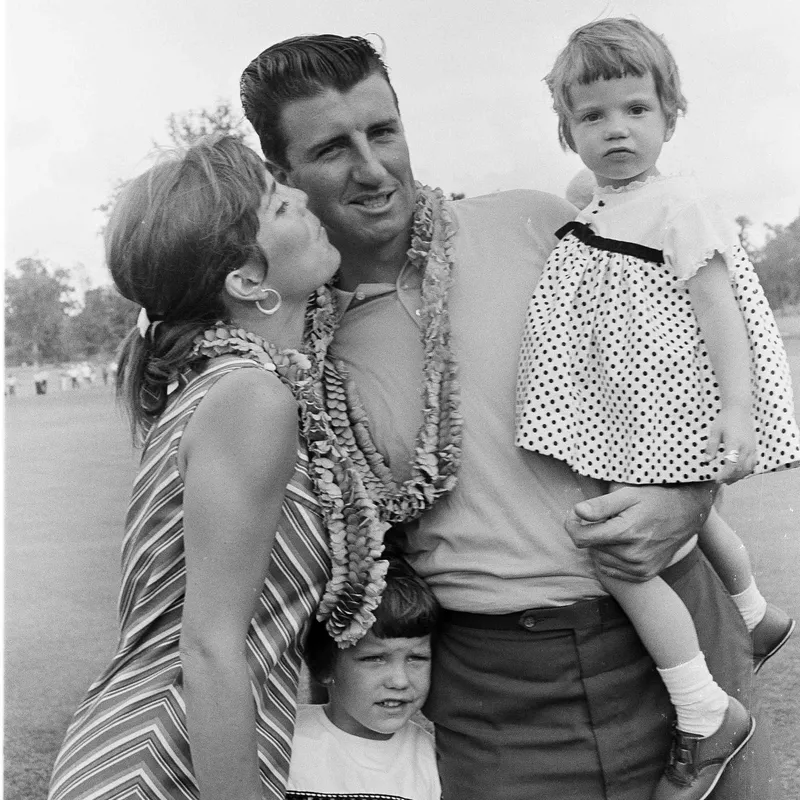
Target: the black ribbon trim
(588, 236)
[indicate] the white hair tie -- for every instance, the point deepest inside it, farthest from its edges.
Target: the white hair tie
(143, 322)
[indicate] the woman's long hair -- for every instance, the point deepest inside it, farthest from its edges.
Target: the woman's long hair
(175, 233)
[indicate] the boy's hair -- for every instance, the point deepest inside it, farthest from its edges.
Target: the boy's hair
(408, 609)
(299, 68)
(175, 233)
(608, 49)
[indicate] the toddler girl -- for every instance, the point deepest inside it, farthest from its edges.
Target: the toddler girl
(650, 356)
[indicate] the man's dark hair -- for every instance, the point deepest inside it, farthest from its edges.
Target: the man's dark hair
(299, 68)
(408, 609)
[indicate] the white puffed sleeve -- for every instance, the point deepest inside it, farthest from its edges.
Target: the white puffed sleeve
(694, 234)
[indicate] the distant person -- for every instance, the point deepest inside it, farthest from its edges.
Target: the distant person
(363, 743)
(11, 384)
(650, 356)
(225, 555)
(40, 381)
(87, 373)
(74, 376)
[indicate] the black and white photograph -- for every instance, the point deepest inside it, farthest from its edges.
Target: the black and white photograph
(401, 400)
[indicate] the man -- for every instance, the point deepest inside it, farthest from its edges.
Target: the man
(540, 686)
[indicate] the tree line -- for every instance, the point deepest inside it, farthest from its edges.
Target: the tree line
(45, 323)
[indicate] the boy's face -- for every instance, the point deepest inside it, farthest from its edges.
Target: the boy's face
(378, 685)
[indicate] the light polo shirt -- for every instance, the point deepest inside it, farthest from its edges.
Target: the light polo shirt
(497, 543)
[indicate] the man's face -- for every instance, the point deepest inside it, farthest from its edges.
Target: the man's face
(348, 153)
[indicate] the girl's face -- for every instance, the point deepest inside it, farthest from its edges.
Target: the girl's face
(619, 128)
(299, 256)
(378, 685)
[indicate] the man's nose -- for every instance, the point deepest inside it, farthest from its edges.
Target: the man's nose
(368, 168)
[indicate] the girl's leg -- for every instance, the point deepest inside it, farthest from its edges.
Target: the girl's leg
(668, 633)
(727, 553)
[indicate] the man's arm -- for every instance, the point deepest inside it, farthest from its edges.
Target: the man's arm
(636, 530)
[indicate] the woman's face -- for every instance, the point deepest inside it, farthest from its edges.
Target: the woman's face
(299, 256)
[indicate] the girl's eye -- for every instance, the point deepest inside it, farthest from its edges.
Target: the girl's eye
(593, 117)
(282, 207)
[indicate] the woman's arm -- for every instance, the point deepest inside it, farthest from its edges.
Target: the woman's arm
(238, 453)
(725, 336)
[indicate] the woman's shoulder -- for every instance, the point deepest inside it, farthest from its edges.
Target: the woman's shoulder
(246, 406)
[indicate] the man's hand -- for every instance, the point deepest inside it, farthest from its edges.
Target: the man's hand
(634, 531)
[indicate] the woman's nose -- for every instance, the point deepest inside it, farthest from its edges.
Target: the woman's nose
(300, 197)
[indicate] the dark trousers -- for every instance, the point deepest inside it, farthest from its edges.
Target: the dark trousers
(567, 703)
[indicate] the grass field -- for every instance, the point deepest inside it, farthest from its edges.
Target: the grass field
(69, 465)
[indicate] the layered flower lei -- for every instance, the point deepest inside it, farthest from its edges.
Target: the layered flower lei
(355, 529)
(438, 444)
(356, 490)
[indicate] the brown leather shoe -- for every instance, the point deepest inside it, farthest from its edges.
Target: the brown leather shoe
(770, 635)
(696, 763)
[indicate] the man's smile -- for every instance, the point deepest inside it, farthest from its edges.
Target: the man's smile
(373, 201)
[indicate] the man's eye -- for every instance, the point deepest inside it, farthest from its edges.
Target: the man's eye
(330, 151)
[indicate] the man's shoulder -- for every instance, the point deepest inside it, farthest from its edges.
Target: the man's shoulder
(518, 197)
(538, 207)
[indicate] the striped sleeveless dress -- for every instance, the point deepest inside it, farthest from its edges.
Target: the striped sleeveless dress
(128, 738)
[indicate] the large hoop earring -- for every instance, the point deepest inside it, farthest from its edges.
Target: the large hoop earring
(278, 300)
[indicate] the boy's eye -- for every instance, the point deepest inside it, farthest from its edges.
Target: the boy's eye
(591, 117)
(282, 207)
(638, 110)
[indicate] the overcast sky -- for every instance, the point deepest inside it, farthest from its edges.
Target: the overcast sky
(90, 84)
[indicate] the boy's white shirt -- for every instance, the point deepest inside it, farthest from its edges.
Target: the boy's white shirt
(328, 761)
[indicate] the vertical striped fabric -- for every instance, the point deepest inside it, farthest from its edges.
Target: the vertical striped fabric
(128, 738)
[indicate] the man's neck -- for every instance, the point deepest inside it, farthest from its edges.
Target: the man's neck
(381, 265)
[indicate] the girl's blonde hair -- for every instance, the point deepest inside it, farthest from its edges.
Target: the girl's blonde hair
(608, 49)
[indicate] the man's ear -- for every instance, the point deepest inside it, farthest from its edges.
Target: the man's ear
(244, 284)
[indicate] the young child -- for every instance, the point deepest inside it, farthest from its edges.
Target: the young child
(363, 742)
(649, 346)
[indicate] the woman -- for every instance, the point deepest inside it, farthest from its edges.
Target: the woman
(224, 557)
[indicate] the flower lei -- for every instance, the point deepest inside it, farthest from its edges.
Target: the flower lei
(355, 530)
(438, 444)
(356, 490)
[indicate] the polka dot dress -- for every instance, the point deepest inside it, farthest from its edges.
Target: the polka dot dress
(615, 379)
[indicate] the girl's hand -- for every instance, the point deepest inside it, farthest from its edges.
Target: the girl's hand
(733, 430)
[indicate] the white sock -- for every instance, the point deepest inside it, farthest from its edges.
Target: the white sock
(700, 703)
(751, 604)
